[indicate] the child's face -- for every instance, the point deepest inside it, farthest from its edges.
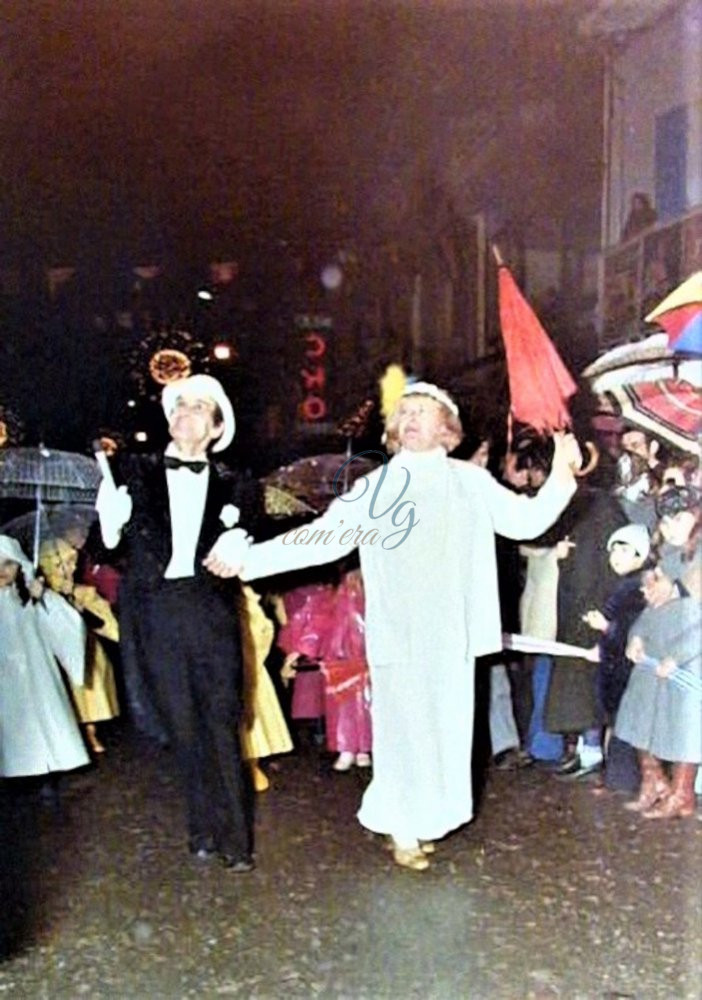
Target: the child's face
(8, 572)
(624, 559)
(60, 576)
(676, 528)
(657, 588)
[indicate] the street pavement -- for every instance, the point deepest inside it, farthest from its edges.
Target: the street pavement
(551, 892)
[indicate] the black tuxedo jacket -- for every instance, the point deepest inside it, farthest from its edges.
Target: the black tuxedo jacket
(146, 546)
(146, 540)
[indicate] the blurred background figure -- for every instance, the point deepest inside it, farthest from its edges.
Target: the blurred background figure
(641, 215)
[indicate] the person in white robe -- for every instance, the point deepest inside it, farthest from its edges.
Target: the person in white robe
(425, 528)
(39, 731)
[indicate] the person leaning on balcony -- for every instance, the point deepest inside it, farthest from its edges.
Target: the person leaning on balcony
(641, 215)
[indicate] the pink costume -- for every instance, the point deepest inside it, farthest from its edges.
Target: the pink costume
(345, 672)
(309, 611)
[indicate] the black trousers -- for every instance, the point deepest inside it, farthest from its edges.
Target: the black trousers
(190, 652)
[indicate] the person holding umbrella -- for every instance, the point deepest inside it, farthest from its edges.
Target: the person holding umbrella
(175, 515)
(425, 532)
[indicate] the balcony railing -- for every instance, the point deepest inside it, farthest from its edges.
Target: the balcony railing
(638, 274)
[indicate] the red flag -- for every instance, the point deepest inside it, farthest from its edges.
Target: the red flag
(539, 383)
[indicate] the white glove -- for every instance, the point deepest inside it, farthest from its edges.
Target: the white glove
(227, 555)
(114, 507)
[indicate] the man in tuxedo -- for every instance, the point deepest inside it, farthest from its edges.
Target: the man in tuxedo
(174, 516)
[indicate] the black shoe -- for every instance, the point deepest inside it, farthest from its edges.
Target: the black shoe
(238, 865)
(202, 848)
(583, 771)
(513, 760)
(569, 764)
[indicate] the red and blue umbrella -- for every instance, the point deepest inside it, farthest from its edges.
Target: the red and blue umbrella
(680, 315)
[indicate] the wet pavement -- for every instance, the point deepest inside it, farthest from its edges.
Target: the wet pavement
(551, 892)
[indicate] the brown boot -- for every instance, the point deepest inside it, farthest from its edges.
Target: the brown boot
(681, 801)
(654, 784)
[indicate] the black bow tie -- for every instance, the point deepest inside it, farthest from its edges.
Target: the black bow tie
(177, 463)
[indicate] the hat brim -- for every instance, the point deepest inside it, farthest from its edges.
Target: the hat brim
(210, 389)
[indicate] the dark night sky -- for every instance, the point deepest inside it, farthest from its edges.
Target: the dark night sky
(163, 126)
(174, 131)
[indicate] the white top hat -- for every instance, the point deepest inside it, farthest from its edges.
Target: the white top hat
(428, 389)
(209, 388)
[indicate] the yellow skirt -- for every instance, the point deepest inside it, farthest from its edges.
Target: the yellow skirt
(263, 730)
(96, 700)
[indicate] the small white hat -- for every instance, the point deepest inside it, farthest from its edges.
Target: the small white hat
(428, 389)
(209, 388)
(10, 549)
(635, 535)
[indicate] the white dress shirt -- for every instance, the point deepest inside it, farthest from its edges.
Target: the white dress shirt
(187, 493)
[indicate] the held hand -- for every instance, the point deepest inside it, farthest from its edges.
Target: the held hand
(35, 588)
(635, 649)
(593, 655)
(563, 548)
(226, 571)
(595, 619)
(567, 457)
(288, 671)
(665, 667)
(228, 554)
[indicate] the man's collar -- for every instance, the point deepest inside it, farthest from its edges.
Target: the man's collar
(173, 459)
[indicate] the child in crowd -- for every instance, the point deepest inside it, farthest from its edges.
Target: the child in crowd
(628, 549)
(39, 734)
(661, 710)
(96, 698)
(325, 627)
(263, 731)
(306, 611)
(346, 680)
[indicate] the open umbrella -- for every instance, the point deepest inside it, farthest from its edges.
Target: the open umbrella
(646, 360)
(55, 520)
(45, 475)
(670, 409)
(680, 315)
(654, 389)
(307, 485)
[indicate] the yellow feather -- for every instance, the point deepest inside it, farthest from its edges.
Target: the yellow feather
(392, 385)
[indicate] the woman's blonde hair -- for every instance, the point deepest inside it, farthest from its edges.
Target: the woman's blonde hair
(452, 433)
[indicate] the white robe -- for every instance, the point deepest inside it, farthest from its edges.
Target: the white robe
(38, 728)
(431, 607)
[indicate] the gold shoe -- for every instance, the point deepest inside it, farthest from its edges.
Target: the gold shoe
(410, 857)
(427, 847)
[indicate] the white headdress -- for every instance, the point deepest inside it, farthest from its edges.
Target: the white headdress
(428, 389)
